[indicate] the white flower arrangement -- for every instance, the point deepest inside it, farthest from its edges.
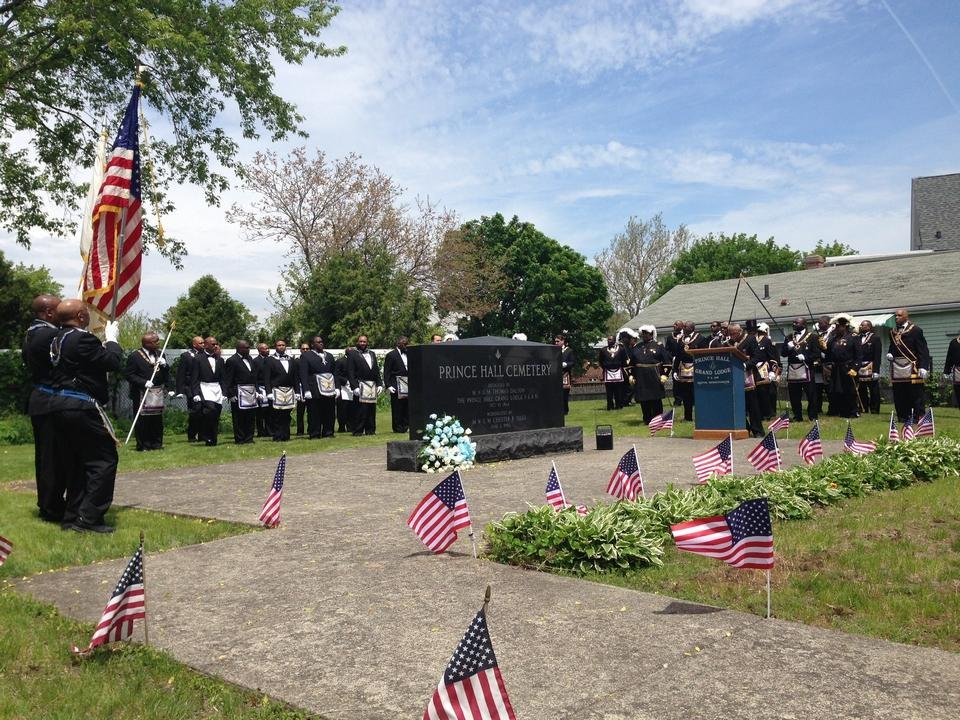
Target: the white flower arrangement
(448, 445)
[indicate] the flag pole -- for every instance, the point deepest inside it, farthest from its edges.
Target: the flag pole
(777, 448)
(143, 570)
(473, 539)
(153, 374)
(563, 497)
(486, 598)
(731, 452)
(768, 594)
(642, 493)
(673, 419)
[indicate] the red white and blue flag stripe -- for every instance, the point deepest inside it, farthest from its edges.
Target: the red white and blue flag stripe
(626, 482)
(662, 421)
(270, 514)
(127, 604)
(781, 423)
(811, 447)
(442, 512)
(908, 432)
(742, 538)
(925, 428)
(893, 435)
(717, 460)
(6, 547)
(766, 455)
(850, 444)
(555, 496)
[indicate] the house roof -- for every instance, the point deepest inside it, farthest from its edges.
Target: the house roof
(869, 288)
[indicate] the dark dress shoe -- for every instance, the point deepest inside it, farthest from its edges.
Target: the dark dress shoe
(86, 527)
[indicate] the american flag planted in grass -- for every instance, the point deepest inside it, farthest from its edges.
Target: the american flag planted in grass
(270, 514)
(442, 512)
(626, 482)
(663, 421)
(471, 686)
(126, 604)
(766, 455)
(6, 547)
(811, 448)
(850, 444)
(925, 428)
(893, 435)
(908, 432)
(742, 538)
(717, 460)
(555, 496)
(781, 423)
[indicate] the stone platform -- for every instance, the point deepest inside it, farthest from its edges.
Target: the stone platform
(402, 454)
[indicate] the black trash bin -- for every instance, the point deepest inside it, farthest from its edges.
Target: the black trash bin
(604, 437)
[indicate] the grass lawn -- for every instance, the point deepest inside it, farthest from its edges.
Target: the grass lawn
(885, 565)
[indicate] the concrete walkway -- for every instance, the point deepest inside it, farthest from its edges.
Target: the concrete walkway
(343, 612)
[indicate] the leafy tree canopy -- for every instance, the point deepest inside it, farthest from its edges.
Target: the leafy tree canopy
(832, 249)
(207, 309)
(362, 292)
(719, 257)
(550, 288)
(66, 65)
(19, 285)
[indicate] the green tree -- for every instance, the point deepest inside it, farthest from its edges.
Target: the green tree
(719, 257)
(19, 285)
(65, 65)
(550, 288)
(358, 292)
(832, 249)
(207, 309)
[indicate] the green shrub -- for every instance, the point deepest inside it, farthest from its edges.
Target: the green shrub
(15, 429)
(15, 383)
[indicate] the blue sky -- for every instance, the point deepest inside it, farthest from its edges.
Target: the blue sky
(799, 120)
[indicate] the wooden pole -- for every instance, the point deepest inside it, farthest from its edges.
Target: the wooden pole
(143, 566)
(153, 374)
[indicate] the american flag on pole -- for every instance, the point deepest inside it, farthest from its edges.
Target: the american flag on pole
(742, 538)
(893, 435)
(555, 496)
(118, 223)
(270, 514)
(850, 444)
(626, 482)
(6, 547)
(471, 686)
(766, 455)
(661, 421)
(126, 604)
(908, 432)
(442, 512)
(925, 428)
(717, 460)
(811, 448)
(781, 423)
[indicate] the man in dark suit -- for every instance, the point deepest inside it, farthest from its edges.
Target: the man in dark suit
(303, 406)
(51, 484)
(240, 380)
(263, 411)
(85, 442)
(319, 387)
(951, 367)
(281, 383)
(147, 369)
(207, 390)
(366, 385)
(613, 360)
(566, 369)
(184, 383)
(909, 366)
(395, 377)
(690, 339)
(868, 373)
(345, 413)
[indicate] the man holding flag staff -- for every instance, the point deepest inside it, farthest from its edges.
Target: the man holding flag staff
(146, 373)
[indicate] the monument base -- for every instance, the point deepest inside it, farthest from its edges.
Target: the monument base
(402, 454)
(720, 434)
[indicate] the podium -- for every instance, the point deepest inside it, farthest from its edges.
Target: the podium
(718, 377)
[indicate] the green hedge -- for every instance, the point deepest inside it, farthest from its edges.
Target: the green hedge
(630, 535)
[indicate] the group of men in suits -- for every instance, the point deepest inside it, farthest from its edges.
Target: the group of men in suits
(265, 389)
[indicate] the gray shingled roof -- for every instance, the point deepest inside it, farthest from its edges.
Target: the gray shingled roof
(857, 288)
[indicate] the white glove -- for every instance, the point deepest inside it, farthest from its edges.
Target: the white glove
(233, 400)
(758, 364)
(171, 394)
(800, 357)
(161, 361)
(947, 375)
(298, 397)
(196, 398)
(356, 391)
(262, 396)
(112, 331)
(790, 344)
(772, 377)
(308, 395)
(923, 373)
(379, 389)
(393, 390)
(148, 384)
(889, 356)
(272, 396)
(876, 376)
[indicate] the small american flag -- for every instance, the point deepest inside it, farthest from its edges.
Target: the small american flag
(908, 432)
(661, 421)
(442, 512)
(471, 686)
(717, 460)
(893, 435)
(850, 444)
(554, 491)
(270, 514)
(742, 538)
(811, 449)
(766, 455)
(6, 547)
(626, 482)
(126, 604)
(781, 423)
(925, 428)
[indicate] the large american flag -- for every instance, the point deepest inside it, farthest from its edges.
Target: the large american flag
(742, 538)
(908, 431)
(6, 547)
(781, 423)
(661, 421)
(270, 514)
(126, 604)
(471, 686)
(850, 444)
(441, 513)
(717, 460)
(118, 221)
(893, 435)
(811, 448)
(766, 455)
(626, 482)
(925, 428)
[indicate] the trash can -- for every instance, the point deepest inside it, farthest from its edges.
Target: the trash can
(604, 437)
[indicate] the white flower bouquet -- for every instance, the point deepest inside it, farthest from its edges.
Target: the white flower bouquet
(448, 445)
